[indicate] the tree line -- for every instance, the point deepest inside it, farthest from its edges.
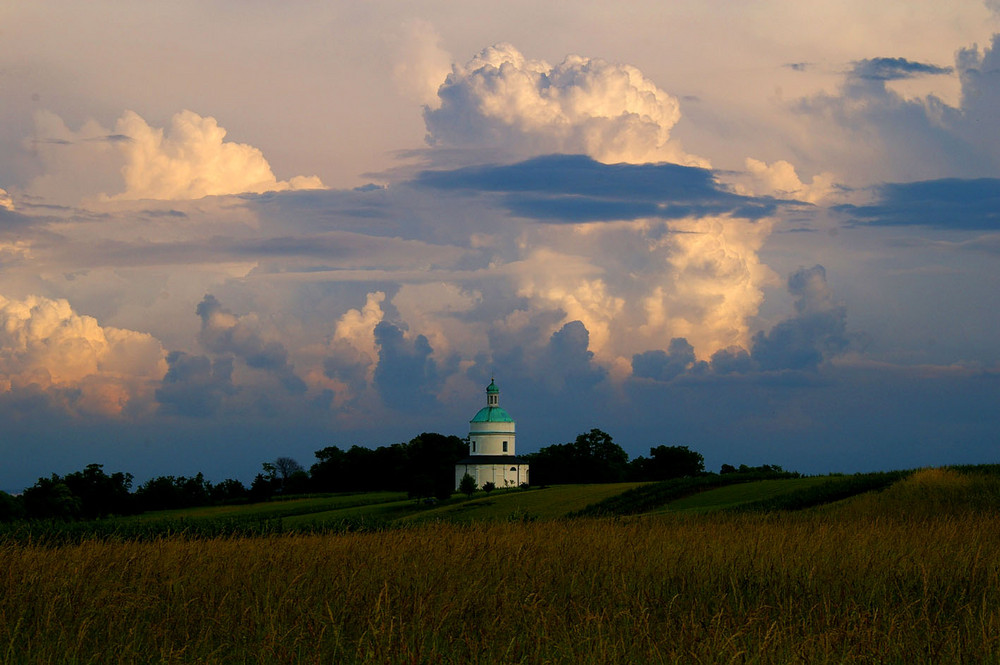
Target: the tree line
(421, 467)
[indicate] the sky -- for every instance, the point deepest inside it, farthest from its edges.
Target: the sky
(232, 231)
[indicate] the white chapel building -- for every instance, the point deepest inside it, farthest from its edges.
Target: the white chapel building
(491, 447)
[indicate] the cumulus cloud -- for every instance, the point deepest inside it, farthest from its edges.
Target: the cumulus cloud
(45, 345)
(569, 360)
(714, 283)
(353, 354)
(636, 285)
(191, 159)
(224, 333)
(780, 179)
(406, 376)
(501, 99)
(356, 327)
(732, 360)
(188, 159)
(665, 365)
(542, 354)
(195, 386)
(978, 123)
(6, 203)
(816, 333)
(438, 310)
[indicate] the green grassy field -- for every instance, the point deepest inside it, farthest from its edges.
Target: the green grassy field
(380, 510)
(908, 574)
(545, 503)
(732, 496)
(276, 509)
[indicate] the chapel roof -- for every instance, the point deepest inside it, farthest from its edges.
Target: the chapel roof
(492, 414)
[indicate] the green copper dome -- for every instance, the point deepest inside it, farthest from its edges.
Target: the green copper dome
(492, 414)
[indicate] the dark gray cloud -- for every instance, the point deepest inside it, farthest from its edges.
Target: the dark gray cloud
(569, 357)
(230, 335)
(557, 367)
(893, 69)
(666, 365)
(817, 332)
(406, 375)
(732, 360)
(575, 188)
(195, 386)
(949, 203)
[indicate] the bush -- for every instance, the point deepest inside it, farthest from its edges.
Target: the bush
(467, 486)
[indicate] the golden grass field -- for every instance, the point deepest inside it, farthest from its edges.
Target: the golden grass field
(909, 575)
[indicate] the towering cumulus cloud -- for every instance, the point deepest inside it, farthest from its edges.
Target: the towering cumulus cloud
(637, 285)
(583, 105)
(45, 346)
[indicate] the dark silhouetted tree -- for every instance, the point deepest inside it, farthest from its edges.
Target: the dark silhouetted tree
(424, 466)
(50, 498)
(99, 493)
(10, 508)
(285, 467)
(327, 474)
(170, 492)
(432, 456)
(260, 489)
(667, 462)
(229, 491)
(296, 483)
(593, 457)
